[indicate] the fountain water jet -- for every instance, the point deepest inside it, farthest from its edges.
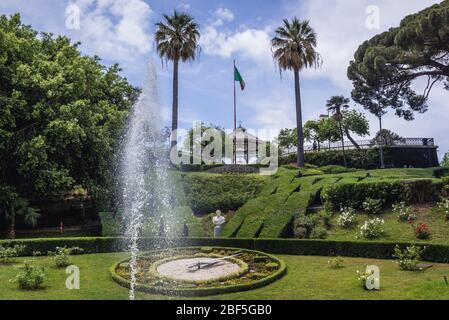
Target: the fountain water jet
(146, 185)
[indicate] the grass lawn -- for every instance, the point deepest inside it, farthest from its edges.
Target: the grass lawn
(307, 278)
(396, 231)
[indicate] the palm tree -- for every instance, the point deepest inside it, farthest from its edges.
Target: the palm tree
(335, 105)
(177, 40)
(294, 49)
(20, 208)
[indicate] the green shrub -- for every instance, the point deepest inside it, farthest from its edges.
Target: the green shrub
(372, 229)
(30, 277)
(8, 254)
(304, 225)
(441, 172)
(403, 211)
(335, 263)
(347, 218)
(409, 257)
(443, 205)
(318, 233)
(61, 256)
(373, 206)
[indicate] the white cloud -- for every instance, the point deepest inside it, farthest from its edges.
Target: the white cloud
(184, 6)
(221, 16)
(251, 43)
(116, 29)
(225, 14)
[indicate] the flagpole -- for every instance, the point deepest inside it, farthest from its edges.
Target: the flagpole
(235, 119)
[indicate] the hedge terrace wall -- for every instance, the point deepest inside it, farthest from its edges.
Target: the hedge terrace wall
(354, 194)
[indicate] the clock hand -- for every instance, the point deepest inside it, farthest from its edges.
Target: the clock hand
(209, 264)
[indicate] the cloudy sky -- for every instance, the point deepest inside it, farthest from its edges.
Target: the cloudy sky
(122, 31)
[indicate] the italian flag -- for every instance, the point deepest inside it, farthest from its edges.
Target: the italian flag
(238, 77)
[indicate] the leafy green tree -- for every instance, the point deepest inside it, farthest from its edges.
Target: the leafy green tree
(354, 122)
(177, 40)
(329, 130)
(294, 49)
(312, 133)
(287, 139)
(445, 162)
(192, 141)
(20, 208)
(61, 114)
(387, 138)
(392, 61)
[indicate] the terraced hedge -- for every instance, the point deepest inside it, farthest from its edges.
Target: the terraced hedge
(205, 193)
(271, 214)
(286, 196)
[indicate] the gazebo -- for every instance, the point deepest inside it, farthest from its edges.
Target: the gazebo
(246, 146)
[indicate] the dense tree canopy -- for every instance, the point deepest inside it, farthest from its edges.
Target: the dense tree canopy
(387, 65)
(387, 138)
(61, 113)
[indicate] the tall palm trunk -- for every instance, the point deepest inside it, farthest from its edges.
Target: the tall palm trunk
(175, 102)
(342, 139)
(354, 143)
(300, 153)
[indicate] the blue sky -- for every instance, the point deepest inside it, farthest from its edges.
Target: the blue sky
(122, 31)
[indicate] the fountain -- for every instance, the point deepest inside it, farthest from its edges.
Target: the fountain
(144, 171)
(149, 197)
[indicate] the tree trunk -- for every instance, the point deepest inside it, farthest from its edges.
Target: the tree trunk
(342, 140)
(175, 103)
(354, 143)
(300, 143)
(382, 161)
(12, 229)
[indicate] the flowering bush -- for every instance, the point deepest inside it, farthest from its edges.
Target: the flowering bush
(409, 257)
(363, 277)
(30, 277)
(335, 263)
(8, 254)
(373, 206)
(346, 218)
(372, 229)
(444, 206)
(422, 231)
(61, 257)
(403, 211)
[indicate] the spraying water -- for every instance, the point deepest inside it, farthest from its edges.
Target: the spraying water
(144, 173)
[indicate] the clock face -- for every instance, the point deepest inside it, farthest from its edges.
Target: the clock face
(205, 265)
(194, 269)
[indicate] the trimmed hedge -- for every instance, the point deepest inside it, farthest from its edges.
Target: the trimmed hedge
(354, 194)
(205, 193)
(360, 159)
(441, 172)
(362, 249)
